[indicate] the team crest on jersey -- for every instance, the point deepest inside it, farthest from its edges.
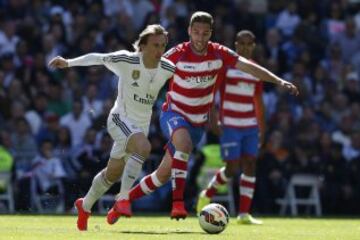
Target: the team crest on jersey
(135, 74)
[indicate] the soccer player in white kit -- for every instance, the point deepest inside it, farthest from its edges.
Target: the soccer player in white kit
(141, 76)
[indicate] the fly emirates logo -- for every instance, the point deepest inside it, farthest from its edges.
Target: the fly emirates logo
(147, 100)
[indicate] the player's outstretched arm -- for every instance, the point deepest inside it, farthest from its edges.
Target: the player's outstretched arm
(264, 74)
(85, 60)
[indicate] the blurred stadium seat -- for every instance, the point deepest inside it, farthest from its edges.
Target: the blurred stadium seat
(292, 200)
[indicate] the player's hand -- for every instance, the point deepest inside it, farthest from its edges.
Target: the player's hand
(290, 87)
(58, 62)
(215, 128)
(261, 140)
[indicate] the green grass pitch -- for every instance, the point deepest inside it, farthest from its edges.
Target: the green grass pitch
(161, 227)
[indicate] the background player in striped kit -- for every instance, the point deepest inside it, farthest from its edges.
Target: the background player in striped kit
(141, 76)
(185, 112)
(241, 120)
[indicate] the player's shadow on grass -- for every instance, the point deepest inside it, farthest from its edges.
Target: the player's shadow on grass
(160, 232)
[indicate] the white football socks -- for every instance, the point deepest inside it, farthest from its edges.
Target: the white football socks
(98, 187)
(131, 172)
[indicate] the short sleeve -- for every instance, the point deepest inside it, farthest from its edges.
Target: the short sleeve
(228, 56)
(173, 54)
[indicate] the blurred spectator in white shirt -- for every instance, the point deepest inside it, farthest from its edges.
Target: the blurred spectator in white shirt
(77, 121)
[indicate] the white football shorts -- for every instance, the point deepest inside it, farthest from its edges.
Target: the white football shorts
(121, 129)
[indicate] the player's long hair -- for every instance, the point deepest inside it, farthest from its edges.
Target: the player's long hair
(154, 29)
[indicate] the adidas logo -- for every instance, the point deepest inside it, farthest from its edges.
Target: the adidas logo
(135, 84)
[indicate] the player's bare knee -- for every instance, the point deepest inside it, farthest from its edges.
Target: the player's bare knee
(182, 141)
(229, 172)
(231, 168)
(184, 146)
(141, 147)
(248, 160)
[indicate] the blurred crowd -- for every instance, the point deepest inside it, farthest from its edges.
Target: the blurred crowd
(53, 122)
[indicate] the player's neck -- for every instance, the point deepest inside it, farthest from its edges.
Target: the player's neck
(200, 53)
(149, 62)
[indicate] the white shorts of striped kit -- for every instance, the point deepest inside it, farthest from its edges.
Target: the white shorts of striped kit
(121, 129)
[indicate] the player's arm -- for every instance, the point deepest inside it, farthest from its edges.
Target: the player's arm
(264, 74)
(260, 116)
(214, 121)
(84, 60)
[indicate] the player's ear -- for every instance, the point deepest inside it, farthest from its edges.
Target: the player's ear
(189, 30)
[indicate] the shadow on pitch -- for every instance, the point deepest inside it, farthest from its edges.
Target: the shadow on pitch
(160, 232)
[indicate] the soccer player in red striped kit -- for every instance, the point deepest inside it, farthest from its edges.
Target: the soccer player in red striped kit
(189, 99)
(242, 128)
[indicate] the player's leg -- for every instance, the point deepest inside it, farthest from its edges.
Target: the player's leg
(182, 146)
(100, 184)
(230, 153)
(220, 178)
(151, 182)
(138, 147)
(175, 128)
(175, 163)
(247, 178)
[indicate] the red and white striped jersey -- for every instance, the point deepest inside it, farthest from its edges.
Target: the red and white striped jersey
(191, 90)
(237, 94)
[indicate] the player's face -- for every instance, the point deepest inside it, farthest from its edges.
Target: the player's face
(245, 46)
(155, 47)
(200, 34)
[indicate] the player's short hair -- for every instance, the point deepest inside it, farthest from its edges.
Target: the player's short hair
(245, 33)
(202, 17)
(154, 29)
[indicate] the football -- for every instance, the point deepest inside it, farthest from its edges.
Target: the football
(213, 218)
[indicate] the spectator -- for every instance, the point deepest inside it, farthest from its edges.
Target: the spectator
(288, 20)
(348, 40)
(24, 147)
(77, 121)
(50, 129)
(46, 168)
(8, 38)
(92, 105)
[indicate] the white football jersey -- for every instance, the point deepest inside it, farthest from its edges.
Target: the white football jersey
(138, 87)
